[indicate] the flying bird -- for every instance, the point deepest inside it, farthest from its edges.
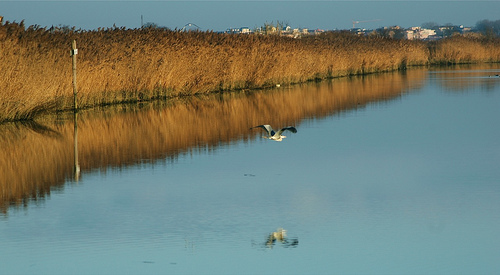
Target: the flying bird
(271, 134)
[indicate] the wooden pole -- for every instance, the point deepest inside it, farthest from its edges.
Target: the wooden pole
(74, 52)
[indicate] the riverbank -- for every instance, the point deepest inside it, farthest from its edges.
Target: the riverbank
(126, 65)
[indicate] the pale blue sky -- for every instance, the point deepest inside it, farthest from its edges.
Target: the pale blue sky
(220, 15)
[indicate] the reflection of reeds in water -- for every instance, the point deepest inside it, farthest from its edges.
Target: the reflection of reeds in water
(485, 79)
(32, 163)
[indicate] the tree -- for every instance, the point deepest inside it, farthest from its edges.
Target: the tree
(488, 28)
(449, 29)
(394, 32)
(270, 28)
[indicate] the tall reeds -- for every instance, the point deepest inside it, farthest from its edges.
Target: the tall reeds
(460, 49)
(120, 65)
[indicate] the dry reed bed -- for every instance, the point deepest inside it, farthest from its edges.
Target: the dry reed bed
(119, 65)
(35, 160)
(464, 49)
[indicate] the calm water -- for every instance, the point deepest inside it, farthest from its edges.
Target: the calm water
(397, 173)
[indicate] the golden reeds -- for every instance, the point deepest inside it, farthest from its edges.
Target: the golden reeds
(118, 65)
(126, 65)
(465, 49)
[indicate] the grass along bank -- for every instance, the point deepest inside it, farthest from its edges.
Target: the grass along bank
(125, 65)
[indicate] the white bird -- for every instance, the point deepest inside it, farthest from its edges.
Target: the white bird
(271, 134)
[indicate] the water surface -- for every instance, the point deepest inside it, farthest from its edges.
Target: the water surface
(392, 173)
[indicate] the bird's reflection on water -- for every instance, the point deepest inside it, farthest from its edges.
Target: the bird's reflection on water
(279, 237)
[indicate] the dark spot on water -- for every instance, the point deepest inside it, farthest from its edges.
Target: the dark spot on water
(148, 262)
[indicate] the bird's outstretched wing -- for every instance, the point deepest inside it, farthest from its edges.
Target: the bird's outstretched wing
(289, 128)
(266, 127)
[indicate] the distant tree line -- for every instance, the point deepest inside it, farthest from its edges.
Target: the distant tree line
(486, 27)
(489, 28)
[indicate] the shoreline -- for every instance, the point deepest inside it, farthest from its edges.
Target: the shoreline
(118, 66)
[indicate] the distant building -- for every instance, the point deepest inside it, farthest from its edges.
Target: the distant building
(465, 29)
(245, 30)
(358, 31)
(419, 33)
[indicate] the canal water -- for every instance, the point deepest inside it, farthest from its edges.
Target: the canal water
(395, 173)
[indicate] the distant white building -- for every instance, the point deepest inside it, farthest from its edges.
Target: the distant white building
(419, 33)
(245, 30)
(239, 30)
(465, 29)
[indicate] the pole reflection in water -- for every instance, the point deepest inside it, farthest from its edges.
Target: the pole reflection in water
(76, 169)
